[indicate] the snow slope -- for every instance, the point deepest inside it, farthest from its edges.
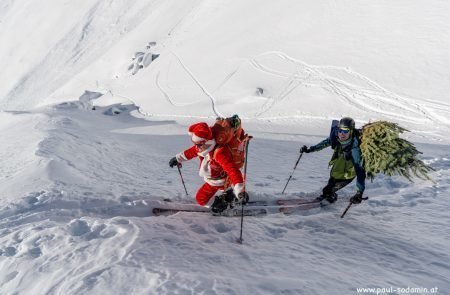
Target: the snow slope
(92, 231)
(77, 185)
(369, 60)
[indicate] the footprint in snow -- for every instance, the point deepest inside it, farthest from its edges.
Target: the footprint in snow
(8, 252)
(78, 228)
(276, 232)
(222, 228)
(9, 277)
(169, 227)
(143, 59)
(198, 229)
(35, 252)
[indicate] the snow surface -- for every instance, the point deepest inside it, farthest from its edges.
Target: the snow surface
(96, 97)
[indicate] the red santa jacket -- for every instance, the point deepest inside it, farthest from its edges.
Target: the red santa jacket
(216, 163)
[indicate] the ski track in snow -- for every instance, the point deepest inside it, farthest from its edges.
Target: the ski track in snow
(92, 230)
(370, 98)
(355, 89)
(197, 82)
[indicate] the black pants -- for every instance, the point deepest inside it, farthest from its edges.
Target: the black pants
(334, 185)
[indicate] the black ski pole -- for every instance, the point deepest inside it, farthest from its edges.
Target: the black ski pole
(245, 181)
(295, 167)
(348, 207)
(182, 180)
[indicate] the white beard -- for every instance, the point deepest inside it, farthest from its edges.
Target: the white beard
(208, 150)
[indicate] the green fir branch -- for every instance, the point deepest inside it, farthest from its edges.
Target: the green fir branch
(383, 151)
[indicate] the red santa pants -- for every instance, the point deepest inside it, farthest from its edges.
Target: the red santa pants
(206, 192)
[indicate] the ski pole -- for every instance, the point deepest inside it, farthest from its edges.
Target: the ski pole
(295, 167)
(245, 181)
(182, 180)
(348, 207)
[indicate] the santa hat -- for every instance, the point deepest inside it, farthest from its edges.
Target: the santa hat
(200, 132)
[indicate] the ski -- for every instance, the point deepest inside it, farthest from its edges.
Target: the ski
(236, 211)
(252, 208)
(168, 211)
(297, 201)
(252, 203)
(281, 202)
(288, 209)
(249, 210)
(257, 203)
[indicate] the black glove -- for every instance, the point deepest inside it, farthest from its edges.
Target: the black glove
(305, 149)
(243, 198)
(173, 162)
(357, 198)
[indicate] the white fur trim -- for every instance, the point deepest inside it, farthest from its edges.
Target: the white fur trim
(205, 172)
(204, 153)
(196, 138)
(215, 182)
(181, 157)
(238, 188)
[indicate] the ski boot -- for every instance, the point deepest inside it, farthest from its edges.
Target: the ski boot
(330, 198)
(222, 202)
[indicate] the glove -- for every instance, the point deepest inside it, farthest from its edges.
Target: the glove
(173, 162)
(305, 149)
(243, 198)
(357, 198)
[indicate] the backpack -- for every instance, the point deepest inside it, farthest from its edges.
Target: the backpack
(228, 133)
(334, 133)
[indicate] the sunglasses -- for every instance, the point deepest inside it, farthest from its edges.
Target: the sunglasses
(344, 131)
(200, 144)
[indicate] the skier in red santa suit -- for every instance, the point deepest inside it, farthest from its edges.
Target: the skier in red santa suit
(216, 164)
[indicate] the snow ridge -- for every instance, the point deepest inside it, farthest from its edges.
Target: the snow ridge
(101, 27)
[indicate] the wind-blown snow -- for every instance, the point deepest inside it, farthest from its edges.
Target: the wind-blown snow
(96, 98)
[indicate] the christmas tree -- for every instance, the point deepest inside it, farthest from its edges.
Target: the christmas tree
(383, 151)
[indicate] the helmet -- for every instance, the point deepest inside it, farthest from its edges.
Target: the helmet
(347, 123)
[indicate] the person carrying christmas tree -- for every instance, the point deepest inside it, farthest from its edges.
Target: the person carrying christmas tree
(218, 167)
(346, 162)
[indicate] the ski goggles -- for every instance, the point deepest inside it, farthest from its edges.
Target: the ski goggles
(203, 144)
(344, 130)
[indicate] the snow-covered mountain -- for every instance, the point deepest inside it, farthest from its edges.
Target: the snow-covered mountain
(77, 185)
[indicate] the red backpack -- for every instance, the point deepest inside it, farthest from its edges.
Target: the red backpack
(228, 133)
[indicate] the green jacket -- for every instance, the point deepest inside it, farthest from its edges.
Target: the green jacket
(340, 167)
